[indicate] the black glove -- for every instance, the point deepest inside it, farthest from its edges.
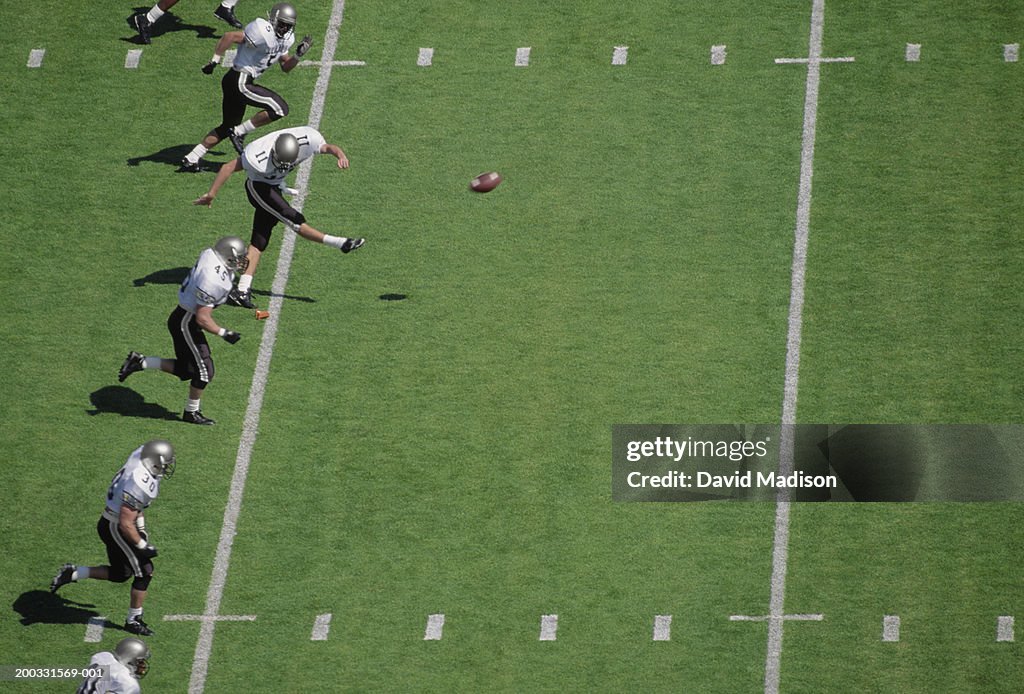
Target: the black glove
(304, 45)
(231, 337)
(147, 552)
(209, 67)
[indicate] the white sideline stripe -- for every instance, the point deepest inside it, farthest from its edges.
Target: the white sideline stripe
(209, 618)
(426, 58)
(890, 628)
(800, 61)
(780, 543)
(131, 61)
(1011, 51)
(523, 57)
(218, 577)
(772, 618)
(718, 55)
(229, 58)
(662, 627)
(332, 63)
(620, 55)
(913, 52)
(35, 57)
(94, 630)
(1004, 629)
(321, 627)
(435, 627)
(548, 627)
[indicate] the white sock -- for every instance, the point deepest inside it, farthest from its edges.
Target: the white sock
(191, 405)
(244, 128)
(228, 3)
(196, 154)
(154, 14)
(151, 362)
(334, 241)
(79, 573)
(244, 282)
(133, 613)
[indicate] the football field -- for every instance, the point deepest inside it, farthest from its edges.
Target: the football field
(711, 212)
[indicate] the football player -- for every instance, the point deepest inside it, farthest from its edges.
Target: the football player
(267, 163)
(206, 287)
(263, 43)
(143, 22)
(128, 664)
(122, 527)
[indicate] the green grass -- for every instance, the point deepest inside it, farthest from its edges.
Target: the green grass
(449, 452)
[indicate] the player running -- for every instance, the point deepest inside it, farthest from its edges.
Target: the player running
(123, 669)
(122, 527)
(263, 43)
(206, 287)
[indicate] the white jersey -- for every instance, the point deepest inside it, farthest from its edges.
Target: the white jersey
(256, 156)
(261, 48)
(118, 680)
(208, 284)
(133, 485)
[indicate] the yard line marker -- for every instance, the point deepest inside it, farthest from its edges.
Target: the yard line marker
(1011, 52)
(800, 61)
(233, 508)
(321, 626)
(131, 61)
(770, 618)
(662, 627)
(1004, 629)
(229, 58)
(548, 627)
(94, 631)
(333, 63)
(890, 628)
(913, 53)
(523, 57)
(426, 58)
(209, 618)
(35, 57)
(435, 627)
(780, 542)
(718, 55)
(620, 55)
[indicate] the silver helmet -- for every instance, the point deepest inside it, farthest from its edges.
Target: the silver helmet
(158, 457)
(133, 653)
(282, 18)
(232, 250)
(285, 152)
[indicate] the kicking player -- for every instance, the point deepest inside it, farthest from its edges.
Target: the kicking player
(263, 43)
(122, 527)
(267, 163)
(206, 287)
(128, 664)
(143, 22)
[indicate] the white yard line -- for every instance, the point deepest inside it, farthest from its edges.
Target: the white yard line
(35, 57)
(321, 627)
(890, 628)
(780, 543)
(1011, 52)
(132, 59)
(426, 57)
(1004, 629)
(913, 53)
(218, 579)
(662, 627)
(718, 55)
(94, 630)
(435, 628)
(523, 57)
(620, 55)
(548, 627)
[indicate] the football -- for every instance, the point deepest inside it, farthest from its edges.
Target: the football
(485, 182)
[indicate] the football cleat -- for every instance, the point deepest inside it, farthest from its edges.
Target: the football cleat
(189, 167)
(141, 24)
(237, 141)
(138, 627)
(62, 578)
(352, 244)
(131, 364)
(196, 418)
(239, 298)
(227, 14)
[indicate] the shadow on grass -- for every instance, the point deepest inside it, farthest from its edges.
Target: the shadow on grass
(127, 403)
(173, 155)
(44, 607)
(167, 24)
